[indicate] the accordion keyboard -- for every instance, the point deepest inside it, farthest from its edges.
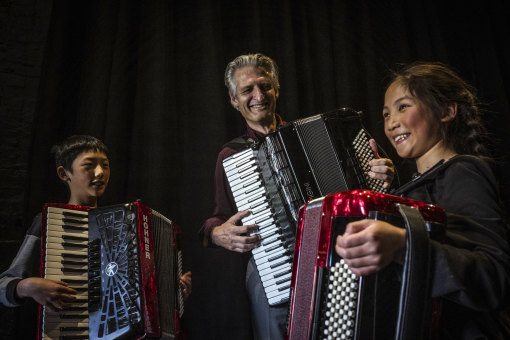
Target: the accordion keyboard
(274, 256)
(339, 307)
(364, 154)
(67, 260)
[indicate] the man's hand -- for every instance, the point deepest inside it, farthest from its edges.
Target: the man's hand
(233, 237)
(367, 246)
(49, 293)
(381, 168)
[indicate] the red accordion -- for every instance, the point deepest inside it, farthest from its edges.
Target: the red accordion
(123, 260)
(330, 302)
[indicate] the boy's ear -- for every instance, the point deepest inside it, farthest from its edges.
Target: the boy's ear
(62, 174)
(450, 113)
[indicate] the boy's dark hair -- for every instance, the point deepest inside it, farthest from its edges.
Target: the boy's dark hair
(66, 152)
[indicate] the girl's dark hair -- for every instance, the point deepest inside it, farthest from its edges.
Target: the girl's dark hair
(67, 151)
(438, 87)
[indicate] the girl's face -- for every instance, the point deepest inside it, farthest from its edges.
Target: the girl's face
(408, 124)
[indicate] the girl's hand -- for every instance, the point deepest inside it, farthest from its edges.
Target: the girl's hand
(368, 246)
(381, 168)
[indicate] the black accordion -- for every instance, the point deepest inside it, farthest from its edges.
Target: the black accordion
(330, 302)
(302, 160)
(124, 261)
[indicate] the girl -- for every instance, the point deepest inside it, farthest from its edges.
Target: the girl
(431, 116)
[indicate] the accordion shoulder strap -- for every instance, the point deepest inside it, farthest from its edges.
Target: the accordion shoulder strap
(414, 305)
(241, 142)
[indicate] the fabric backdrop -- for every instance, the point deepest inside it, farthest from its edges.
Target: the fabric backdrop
(147, 78)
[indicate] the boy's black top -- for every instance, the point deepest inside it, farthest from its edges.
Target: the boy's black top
(24, 265)
(471, 269)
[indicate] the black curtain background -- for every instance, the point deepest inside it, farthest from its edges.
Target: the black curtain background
(147, 78)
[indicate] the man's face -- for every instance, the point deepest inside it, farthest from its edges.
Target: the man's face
(255, 96)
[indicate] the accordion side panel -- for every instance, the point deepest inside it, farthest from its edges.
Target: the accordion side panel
(303, 279)
(148, 262)
(168, 269)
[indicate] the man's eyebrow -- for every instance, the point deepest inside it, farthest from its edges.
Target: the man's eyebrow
(246, 87)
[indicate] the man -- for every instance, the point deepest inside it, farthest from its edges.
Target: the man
(252, 82)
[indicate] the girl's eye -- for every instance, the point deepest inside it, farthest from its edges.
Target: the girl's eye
(386, 114)
(403, 107)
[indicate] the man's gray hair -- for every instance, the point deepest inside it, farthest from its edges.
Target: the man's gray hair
(257, 60)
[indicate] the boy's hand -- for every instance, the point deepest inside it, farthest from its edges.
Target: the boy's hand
(49, 293)
(185, 283)
(381, 168)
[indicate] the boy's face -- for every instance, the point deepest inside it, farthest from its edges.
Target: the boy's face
(89, 178)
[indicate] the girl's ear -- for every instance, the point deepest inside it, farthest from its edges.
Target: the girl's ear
(450, 113)
(62, 174)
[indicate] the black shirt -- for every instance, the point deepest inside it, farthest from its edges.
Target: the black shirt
(471, 269)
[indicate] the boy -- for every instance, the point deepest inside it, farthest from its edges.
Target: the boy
(82, 163)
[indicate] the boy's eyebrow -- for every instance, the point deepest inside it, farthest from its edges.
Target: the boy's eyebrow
(96, 158)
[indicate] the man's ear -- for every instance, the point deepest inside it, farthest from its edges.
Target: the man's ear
(62, 174)
(234, 102)
(450, 113)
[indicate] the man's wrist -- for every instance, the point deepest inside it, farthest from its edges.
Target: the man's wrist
(212, 235)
